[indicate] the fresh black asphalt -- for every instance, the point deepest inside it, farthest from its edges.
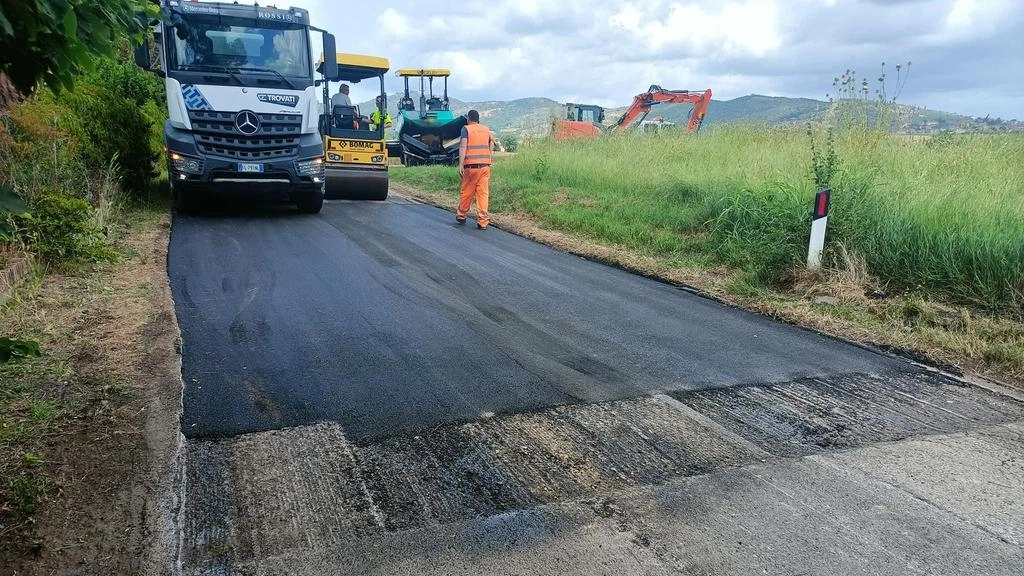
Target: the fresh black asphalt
(389, 318)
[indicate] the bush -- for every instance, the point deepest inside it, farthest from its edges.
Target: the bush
(9, 203)
(764, 230)
(509, 143)
(114, 114)
(13, 349)
(60, 230)
(68, 143)
(113, 129)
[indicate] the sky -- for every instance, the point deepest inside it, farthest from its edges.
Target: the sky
(965, 55)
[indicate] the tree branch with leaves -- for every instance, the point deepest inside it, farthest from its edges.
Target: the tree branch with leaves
(55, 41)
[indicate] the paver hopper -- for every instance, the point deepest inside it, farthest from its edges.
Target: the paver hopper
(431, 133)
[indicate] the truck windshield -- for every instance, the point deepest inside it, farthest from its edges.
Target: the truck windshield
(211, 45)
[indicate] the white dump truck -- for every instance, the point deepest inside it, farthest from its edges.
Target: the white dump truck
(243, 115)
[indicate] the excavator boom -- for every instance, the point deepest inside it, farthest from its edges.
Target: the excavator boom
(644, 102)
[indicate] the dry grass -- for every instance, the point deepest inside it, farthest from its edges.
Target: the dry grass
(15, 266)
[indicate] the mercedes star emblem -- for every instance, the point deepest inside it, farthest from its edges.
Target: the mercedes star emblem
(247, 122)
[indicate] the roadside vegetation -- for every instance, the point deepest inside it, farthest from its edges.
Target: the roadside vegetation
(925, 247)
(79, 140)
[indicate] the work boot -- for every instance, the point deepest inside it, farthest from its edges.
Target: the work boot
(479, 227)
(460, 220)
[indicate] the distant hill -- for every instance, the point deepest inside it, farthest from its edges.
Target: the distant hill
(765, 110)
(778, 110)
(533, 116)
(525, 116)
(754, 108)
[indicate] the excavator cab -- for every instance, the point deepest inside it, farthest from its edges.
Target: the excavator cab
(584, 113)
(582, 121)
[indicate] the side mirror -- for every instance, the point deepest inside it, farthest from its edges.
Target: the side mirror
(142, 56)
(330, 69)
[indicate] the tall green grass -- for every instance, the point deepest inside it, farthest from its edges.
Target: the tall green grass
(944, 214)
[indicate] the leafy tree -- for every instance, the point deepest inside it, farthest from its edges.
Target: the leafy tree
(57, 40)
(509, 143)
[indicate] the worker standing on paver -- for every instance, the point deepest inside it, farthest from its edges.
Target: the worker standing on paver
(475, 169)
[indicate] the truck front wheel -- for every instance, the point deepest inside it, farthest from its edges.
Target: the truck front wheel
(310, 202)
(185, 200)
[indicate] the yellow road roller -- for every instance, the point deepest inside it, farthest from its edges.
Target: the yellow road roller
(355, 151)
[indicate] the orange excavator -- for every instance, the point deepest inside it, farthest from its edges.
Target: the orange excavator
(583, 121)
(644, 102)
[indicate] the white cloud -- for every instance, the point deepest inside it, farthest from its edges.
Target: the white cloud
(962, 13)
(584, 51)
(472, 70)
(394, 21)
(628, 18)
(970, 19)
(734, 28)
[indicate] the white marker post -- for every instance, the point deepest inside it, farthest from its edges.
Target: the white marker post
(818, 224)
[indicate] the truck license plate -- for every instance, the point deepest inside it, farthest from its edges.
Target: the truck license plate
(242, 167)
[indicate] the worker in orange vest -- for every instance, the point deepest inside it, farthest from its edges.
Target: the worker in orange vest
(475, 169)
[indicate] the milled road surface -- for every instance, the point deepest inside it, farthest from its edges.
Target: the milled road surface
(377, 390)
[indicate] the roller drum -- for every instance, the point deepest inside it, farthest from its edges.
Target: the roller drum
(356, 184)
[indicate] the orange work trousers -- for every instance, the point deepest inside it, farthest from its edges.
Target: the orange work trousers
(475, 182)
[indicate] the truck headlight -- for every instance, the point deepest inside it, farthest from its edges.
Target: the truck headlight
(186, 164)
(313, 167)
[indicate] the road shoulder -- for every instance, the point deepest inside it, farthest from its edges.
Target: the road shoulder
(109, 450)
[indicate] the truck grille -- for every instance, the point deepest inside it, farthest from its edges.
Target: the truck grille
(216, 135)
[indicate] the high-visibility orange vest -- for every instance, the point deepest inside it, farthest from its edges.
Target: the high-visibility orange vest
(478, 144)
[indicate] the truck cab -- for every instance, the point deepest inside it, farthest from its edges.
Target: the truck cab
(242, 108)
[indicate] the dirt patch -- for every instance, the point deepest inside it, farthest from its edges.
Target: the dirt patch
(109, 446)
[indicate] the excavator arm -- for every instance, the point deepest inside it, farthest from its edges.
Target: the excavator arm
(644, 102)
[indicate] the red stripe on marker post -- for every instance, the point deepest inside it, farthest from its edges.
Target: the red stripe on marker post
(821, 201)
(818, 224)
